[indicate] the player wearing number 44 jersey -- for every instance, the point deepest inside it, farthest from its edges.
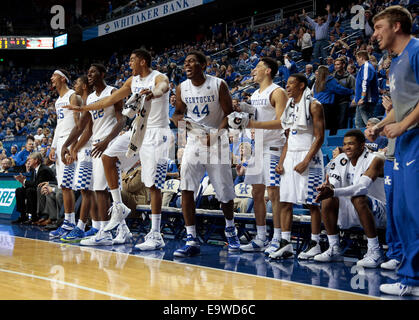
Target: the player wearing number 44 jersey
(204, 101)
(105, 125)
(154, 148)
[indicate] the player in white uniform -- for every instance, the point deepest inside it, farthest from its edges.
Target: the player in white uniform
(66, 121)
(353, 195)
(105, 125)
(205, 101)
(153, 152)
(81, 153)
(302, 171)
(270, 101)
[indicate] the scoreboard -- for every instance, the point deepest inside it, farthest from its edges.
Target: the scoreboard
(20, 42)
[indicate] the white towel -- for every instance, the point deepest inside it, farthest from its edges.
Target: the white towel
(139, 127)
(297, 119)
(133, 105)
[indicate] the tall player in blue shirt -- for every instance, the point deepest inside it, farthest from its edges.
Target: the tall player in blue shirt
(393, 32)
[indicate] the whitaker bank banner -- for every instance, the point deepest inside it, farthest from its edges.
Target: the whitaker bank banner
(146, 15)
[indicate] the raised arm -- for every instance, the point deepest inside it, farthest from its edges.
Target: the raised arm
(113, 99)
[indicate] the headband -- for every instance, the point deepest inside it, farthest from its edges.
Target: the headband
(61, 74)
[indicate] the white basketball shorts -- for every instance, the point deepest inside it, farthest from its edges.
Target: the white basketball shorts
(348, 217)
(84, 168)
(193, 168)
(301, 188)
(65, 174)
(266, 175)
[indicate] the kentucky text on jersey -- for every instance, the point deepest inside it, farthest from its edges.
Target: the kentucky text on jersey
(204, 99)
(260, 102)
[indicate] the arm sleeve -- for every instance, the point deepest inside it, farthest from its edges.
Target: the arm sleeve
(359, 189)
(339, 89)
(364, 82)
(311, 22)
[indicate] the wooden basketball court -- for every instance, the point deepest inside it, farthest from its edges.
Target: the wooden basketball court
(42, 270)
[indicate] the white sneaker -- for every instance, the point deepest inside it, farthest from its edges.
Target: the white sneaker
(334, 253)
(284, 251)
(118, 212)
(102, 238)
(372, 259)
(399, 289)
(273, 246)
(256, 245)
(313, 249)
(123, 235)
(392, 264)
(152, 241)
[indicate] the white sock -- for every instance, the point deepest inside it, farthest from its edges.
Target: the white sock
(191, 230)
(261, 232)
(81, 225)
(315, 237)
(116, 195)
(96, 224)
(155, 222)
(286, 235)
(333, 239)
(373, 243)
(71, 217)
(229, 223)
(277, 234)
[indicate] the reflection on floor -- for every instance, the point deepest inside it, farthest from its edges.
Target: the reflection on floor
(344, 276)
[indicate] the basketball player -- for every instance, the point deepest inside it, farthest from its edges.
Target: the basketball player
(204, 101)
(302, 171)
(105, 125)
(66, 121)
(154, 150)
(393, 32)
(270, 101)
(353, 195)
(80, 152)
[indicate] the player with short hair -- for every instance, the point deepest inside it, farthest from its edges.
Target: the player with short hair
(302, 171)
(269, 102)
(204, 101)
(393, 31)
(105, 125)
(154, 149)
(66, 121)
(81, 153)
(353, 195)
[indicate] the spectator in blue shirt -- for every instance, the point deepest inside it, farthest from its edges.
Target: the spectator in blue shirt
(366, 90)
(324, 89)
(21, 156)
(321, 28)
(172, 170)
(378, 144)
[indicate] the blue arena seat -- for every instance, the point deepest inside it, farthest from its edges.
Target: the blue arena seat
(335, 141)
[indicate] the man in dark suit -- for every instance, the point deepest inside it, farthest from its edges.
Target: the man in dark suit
(39, 173)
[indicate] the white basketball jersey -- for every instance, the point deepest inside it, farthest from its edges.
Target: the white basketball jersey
(301, 140)
(202, 103)
(265, 111)
(159, 112)
(104, 119)
(65, 118)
